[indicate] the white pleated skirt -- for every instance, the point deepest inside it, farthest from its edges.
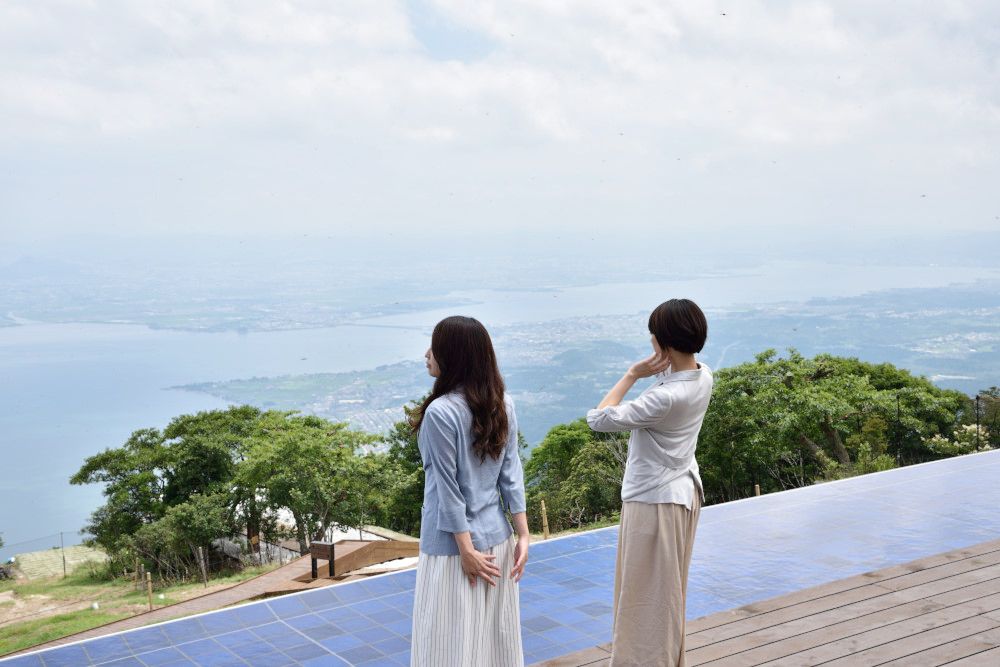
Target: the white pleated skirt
(458, 625)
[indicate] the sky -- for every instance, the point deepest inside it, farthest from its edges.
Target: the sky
(503, 118)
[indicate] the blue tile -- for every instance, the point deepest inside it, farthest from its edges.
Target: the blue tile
(548, 653)
(183, 630)
(23, 661)
(539, 623)
(372, 635)
(368, 607)
(254, 614)
(382, 662)
(400, 627)
(199, 647)
(323, 597)
(161, 656)
(65, 656)
(216, 659)
(306, 652)
(338, 614)
(594, 626)
(568, 616)
(359, 654)
(130, 661)
(341, 643)
(392, 645)
(238, 638)
(145, 639)
(323, 632)
(533, 643)
(287, 641)
(326, 661)
(305, 621)
(252, 650)
(219, 621)
(106, 648)
(595, 608)
(271, 660)
(270, 629)
(561, 635)
(388, 616)
(357, 623)
(288, 605)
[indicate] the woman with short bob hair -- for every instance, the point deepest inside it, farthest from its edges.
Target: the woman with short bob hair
(467, 435)
(661, 489)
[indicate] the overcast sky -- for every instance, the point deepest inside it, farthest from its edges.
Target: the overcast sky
(515, 117)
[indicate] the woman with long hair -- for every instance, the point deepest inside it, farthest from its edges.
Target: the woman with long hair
(466, 607)
(661, 489)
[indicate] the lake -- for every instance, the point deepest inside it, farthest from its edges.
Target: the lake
(69, 391)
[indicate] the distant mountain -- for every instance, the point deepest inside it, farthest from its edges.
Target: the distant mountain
(35, 268)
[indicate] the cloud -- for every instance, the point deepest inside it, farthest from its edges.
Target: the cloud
(572, 109)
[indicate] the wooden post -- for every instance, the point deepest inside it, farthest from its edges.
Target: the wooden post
(756, 489)
(201, 562)
(142, 573)
(545, 522)
(149, 589)
(135, 574)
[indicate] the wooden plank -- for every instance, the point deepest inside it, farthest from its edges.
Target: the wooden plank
(940, 584)
(770, 644)
(766, 606)
(918, 644)
(890, 642)
(588, 657)
(990, 658)
(967, 647)
(784, 640)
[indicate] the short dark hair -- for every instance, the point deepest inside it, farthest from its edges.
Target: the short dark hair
(680, 324)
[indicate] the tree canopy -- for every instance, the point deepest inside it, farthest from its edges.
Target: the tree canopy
(223, 473)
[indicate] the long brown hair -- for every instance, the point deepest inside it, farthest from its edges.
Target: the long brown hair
(464, 354)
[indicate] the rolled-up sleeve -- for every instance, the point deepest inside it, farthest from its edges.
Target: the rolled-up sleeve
(441, 447)
(646, 410)
(511, 479)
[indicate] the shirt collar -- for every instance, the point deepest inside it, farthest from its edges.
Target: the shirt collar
(680, 376)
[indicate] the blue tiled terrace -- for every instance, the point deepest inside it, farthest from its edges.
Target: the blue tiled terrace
(746, 551)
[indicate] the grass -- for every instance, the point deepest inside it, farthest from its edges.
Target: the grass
(116, 600)
(29, 633)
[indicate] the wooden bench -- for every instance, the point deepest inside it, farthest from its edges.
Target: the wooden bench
(319, 550)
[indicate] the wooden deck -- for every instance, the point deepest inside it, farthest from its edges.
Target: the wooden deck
(940, 610)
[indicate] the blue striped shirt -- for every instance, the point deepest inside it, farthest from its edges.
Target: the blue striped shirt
(460, 492)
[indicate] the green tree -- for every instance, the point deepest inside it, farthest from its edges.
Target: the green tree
(401, 510)
(578, 473)
(785, 422)
(305, 465)
(133, 488)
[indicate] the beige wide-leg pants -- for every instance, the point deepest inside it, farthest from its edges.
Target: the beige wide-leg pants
(654, 552)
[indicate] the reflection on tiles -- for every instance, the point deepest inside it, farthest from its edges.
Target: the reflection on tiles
(746, 551)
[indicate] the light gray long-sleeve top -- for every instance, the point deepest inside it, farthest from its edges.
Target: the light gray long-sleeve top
(665, 421)
(460, 491)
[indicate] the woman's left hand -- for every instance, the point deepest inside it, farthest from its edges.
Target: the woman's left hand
(520, 558)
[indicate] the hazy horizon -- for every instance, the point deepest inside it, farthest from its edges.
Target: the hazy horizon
(444, 120)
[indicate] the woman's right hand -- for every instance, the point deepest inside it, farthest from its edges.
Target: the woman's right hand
(477, 564)
(655, 363)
